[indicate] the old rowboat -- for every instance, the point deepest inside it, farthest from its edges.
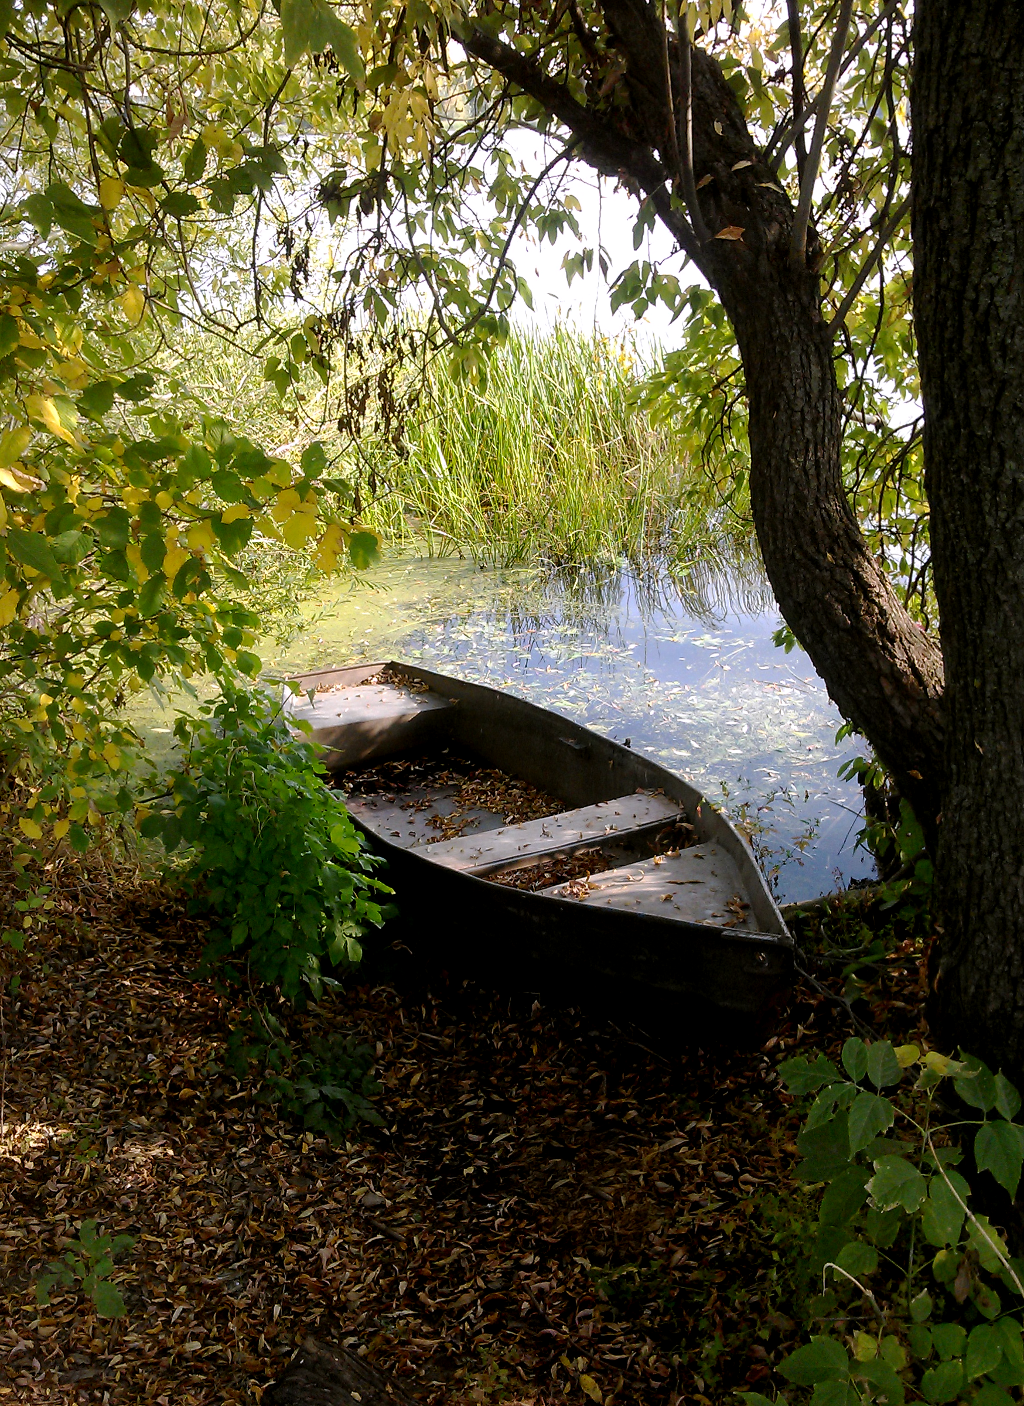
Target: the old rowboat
(525, 848)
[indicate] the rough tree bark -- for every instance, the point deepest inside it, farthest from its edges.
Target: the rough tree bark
(968, 226)
(884, 674)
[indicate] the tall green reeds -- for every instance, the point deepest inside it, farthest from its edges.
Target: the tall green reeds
(550, 459)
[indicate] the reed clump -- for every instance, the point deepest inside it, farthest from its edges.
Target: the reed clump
(550, 459)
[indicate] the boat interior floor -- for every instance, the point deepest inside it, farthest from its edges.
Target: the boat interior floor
(636, 852)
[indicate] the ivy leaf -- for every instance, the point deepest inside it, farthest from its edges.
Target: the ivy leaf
(999, 1149)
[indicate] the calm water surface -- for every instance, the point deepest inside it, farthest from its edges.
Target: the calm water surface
(690, 677)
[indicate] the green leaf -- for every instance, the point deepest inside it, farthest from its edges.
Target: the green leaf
(108, 1300)
(855, 1058)
(179, 204)
(328, 31)
(858, 1258)
(883, 1066)
(844, 1196)
(943, 1217)
(821, 1360)
(943, 1383)
(989, 1395)
(800, 1076)
(9, 334)
(999, 1149)
(882, 1376)
(984, 1351)
(32, 549)
(826, 1150)
(96, 400)
(1007, 1097)
(114, 528)
(313, 461)
(986, 1240)
(834, 1394)
(978, 1087)
(297, 17)
(194, 165)
(870, 1115)
(897, 1182)
(153, 595)
(949, 1340)
(363, 550)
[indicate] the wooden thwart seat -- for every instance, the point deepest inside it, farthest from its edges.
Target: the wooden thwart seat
(555, 834)
(701, 884)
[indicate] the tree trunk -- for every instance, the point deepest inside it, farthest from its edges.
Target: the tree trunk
(884, 674)
(968, 225)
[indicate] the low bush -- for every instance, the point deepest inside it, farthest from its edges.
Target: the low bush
(276, 866)
(921, 1298)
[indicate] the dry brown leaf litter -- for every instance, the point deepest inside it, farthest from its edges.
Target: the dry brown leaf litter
(533, 1160)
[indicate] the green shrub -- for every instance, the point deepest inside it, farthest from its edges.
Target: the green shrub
(921, 1297)
(327, 1087)
(277, 869)
(88, 1260)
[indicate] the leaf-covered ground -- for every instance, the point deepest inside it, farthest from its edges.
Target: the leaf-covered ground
(555, 1210)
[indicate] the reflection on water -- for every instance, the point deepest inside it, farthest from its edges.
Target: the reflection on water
(689, 676)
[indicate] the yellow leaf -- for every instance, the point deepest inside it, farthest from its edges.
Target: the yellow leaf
(731, 232)
(15, 478)
(285, 504)
(939, 1062)
(164, 500)
(8, 607)
(61, 828)
(906, 1055)
(591, 1388)
(864, 1347)
(78, 732)
(112, 756)
(133, 300)
(234, 513)
(31, 829)
(174, 561)
(200, 538)
(111, 191)
(298, 529)
(24, 723)
(41, 407)
(13, 444)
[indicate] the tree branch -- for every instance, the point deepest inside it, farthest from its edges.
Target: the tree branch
(887, 232)
(798, 242)
(797, 52)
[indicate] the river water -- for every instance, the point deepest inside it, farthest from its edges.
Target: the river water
(689, 675)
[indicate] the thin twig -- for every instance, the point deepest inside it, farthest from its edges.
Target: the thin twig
(865, 269)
